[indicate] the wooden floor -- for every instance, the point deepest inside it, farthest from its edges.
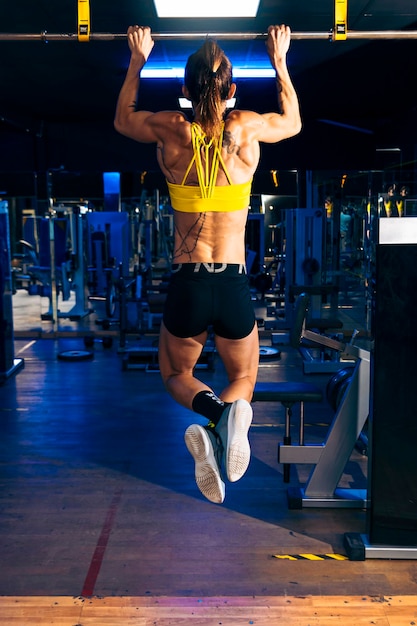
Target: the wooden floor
(101, 522)
(226, 611)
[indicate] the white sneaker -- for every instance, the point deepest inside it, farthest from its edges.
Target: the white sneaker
(205, 448)
(233, 431)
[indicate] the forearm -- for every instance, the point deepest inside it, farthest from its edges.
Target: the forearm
(288, 104)
(127, 100)
(128, 120)
(277, 45)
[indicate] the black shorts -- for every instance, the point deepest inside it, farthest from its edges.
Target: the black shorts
(204, 295)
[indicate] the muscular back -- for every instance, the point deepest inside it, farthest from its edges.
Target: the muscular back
(212, 236)
(240, 149)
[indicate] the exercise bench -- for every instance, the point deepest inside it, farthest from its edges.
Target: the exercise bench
(329, 458)
(288, 394)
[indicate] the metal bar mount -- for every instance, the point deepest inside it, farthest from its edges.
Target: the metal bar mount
(329, 36)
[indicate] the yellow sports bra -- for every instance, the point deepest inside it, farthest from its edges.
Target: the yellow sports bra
(208, 197)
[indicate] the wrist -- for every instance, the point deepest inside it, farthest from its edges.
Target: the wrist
(279, 64)
(281, 73)
(137, 62)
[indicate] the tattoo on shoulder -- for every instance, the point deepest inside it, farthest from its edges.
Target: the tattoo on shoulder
(229, 142)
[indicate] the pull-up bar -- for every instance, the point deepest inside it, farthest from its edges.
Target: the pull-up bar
(181, 36)
(339, 32)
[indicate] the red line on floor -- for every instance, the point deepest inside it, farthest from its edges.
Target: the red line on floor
(97, 560)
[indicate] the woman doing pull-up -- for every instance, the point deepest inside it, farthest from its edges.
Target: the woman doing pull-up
(209, 164)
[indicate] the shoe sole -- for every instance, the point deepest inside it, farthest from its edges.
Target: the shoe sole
(207, 475)
(238, 448)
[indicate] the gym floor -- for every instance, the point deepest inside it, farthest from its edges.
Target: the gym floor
(101, 521)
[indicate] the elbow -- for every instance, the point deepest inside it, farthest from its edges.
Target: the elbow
(118, 125)
(121, 121)
(297, 126)
(122, 127)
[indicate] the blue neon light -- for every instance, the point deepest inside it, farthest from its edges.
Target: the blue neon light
(178, 72)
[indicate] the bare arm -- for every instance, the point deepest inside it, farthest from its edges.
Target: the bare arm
(287, 123)
(137, 125)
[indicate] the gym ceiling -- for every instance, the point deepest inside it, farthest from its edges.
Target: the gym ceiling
(57, 99)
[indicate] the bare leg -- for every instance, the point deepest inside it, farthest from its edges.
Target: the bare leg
(177, 359)
(241, 359)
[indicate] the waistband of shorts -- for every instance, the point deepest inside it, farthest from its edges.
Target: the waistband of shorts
(208, 268)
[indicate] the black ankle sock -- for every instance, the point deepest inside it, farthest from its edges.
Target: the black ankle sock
(208, 404)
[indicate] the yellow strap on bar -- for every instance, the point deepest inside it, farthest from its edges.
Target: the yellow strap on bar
(340, 20)
(83, 20)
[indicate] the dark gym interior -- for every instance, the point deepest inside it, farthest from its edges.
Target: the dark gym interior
(101, 521)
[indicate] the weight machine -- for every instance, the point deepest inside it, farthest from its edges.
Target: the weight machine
(54, 248)
(392, 516)
(9, 365)
(303, 262)
(330, 458)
